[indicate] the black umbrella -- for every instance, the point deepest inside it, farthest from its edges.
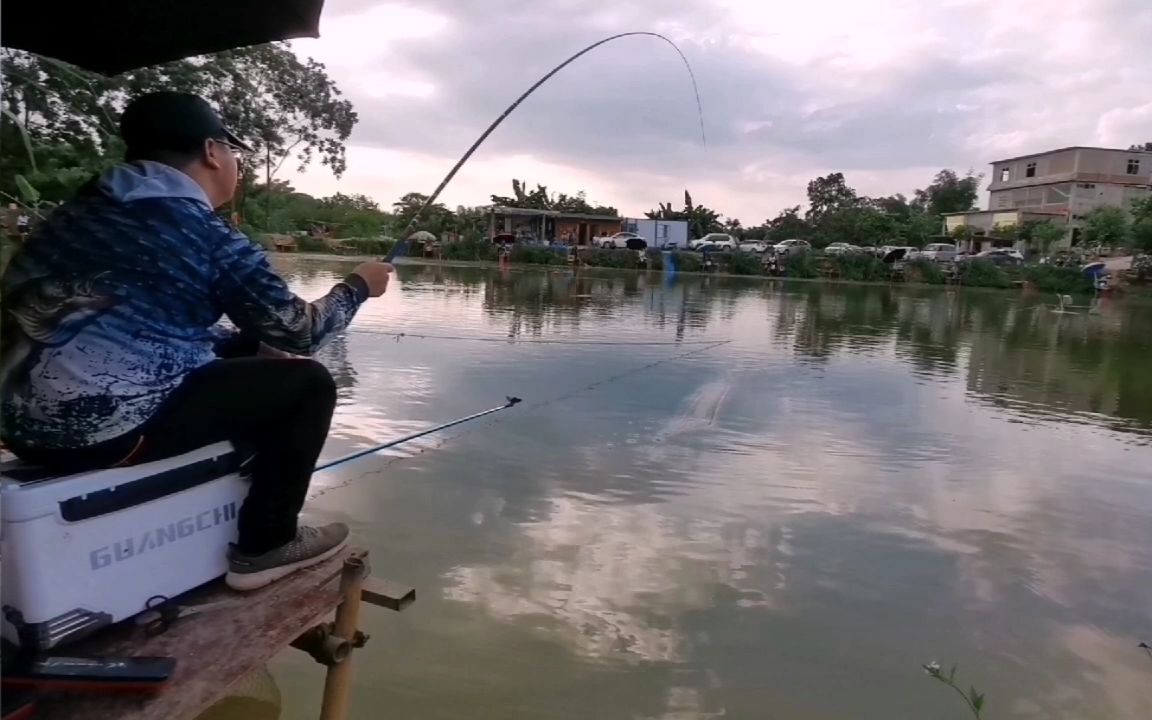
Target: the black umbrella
(114, 36)
(636, 243)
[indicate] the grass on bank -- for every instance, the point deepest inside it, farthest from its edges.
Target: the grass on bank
(856, 268)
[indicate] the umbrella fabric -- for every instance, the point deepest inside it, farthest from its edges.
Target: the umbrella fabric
(636, 243)
(115, 36)
(422, 236)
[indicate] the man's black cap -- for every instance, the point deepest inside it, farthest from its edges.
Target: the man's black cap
(174, 121)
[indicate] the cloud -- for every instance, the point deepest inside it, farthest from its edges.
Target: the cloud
(887, 92)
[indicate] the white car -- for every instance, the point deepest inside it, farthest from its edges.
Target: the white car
(787, 247)
(754, 246)
(722, 241)
(939, 252)
(619, 240)
(841, 248)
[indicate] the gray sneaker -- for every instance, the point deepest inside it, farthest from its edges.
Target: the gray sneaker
(312, 545)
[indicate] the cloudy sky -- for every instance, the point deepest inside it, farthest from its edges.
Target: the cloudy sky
(886, 91)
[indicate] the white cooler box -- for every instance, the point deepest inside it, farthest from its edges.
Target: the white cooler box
(79, 552)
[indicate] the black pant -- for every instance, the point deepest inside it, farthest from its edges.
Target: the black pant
(279, 408)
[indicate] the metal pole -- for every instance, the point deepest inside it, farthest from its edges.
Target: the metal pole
(338, 682)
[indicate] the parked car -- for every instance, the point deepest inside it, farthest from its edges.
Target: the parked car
(998, 256)
(721, 240)
(788, 247)
(619, 240)
(754, 246)
(841, 248)
(939, 252)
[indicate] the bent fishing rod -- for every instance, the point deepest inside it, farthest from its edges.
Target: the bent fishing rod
(511, 402)
(401, 245)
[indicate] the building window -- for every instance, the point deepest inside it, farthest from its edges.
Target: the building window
(1087, 186)
(1003, 199)
(1006, 174)
(1133, 166)
(1030, 170)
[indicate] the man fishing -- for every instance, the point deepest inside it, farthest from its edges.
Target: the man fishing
(110, 349)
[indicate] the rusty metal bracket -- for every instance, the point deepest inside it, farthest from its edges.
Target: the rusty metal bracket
(325, 647)
(382, 593)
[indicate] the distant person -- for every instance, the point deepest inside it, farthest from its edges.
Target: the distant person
(110, 350)
(23, 223)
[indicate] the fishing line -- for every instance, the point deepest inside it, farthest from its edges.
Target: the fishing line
(508, 111)
(542, 403)
(533, 341)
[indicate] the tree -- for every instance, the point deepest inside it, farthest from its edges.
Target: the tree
(1105, 226)
(827, 195)
(701, 220)
(733, 227)
(1146, 147)
(948, 193)
(918, 227)
(787, 225)
(1041, 234)
(436, 219)
(1140, 231)
(539, 199)
(283, 106)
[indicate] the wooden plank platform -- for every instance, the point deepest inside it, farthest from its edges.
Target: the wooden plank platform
(213, 650)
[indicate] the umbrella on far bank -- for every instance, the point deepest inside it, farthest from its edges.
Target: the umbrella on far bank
(115, 36)
(422, 236)
(636, 243)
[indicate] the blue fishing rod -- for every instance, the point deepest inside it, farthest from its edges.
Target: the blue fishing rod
(511, 402)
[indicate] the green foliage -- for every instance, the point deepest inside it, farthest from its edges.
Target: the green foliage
(469, 250)
(949, 192)
(687, 262)
(28, 193)
(1140, 230)
(283, 106)
(1050, 278)
(701, 220)
(1105, 226)
(972, 699)
(743, 264)
(1041, 234)
(983, 273)
(801, 265)
(924, 271)
(537, 255)
(539, 199)
(828, 195)
(597, 257)
(860, 267)
(785, 226)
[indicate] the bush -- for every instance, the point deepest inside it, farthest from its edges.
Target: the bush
(369, 246)
(801, 265)
(924, 271)
(538, 255)
(1050, 278)
(860, 267)
(743, 264)
(476, 249)
(983, 273)
(311, 244)
(598, 257)
(687, 262)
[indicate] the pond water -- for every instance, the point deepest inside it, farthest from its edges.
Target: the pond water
(740, 499)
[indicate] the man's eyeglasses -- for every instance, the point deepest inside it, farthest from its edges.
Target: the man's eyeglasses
(237, 151)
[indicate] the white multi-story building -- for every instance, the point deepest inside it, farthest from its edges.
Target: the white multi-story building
(1059, 185)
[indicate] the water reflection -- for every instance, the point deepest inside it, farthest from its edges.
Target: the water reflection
(862, 479)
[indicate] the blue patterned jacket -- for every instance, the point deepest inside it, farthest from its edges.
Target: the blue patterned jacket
(117, 296)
